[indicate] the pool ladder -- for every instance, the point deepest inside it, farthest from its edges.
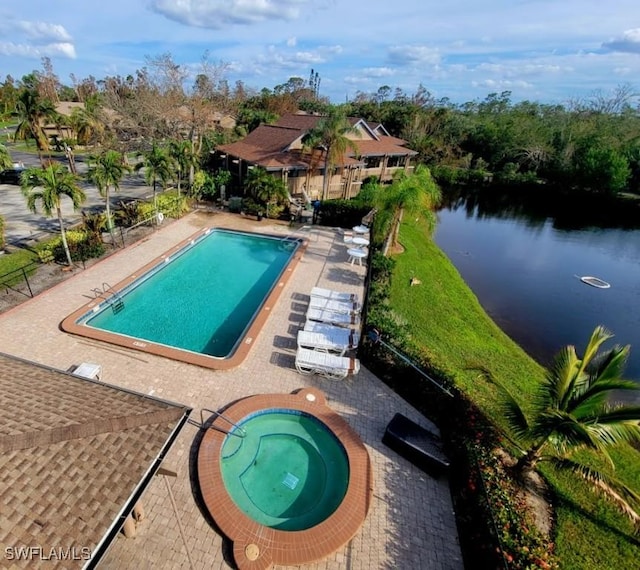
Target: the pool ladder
(115, 300)
(238, 432)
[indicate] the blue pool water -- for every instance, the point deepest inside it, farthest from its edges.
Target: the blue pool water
(204, 298)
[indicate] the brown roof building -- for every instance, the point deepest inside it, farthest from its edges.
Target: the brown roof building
(279, 149)
(75, 457)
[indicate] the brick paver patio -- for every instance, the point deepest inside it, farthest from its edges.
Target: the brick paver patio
(411, 522)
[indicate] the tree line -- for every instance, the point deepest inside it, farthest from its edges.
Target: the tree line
(590, 144)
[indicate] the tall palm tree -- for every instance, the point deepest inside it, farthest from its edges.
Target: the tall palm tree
(157, 167)
(415, 192)
(573, 410)
(33, 112)
(48, 185)
(185, 159)
(330, 136)
(106, 170)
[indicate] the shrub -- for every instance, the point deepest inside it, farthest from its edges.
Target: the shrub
(82, 245)
(342, 213)
(128, 214)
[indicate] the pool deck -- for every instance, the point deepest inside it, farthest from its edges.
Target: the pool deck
(411, 522)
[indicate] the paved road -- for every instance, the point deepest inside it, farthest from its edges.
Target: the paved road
(21, 224)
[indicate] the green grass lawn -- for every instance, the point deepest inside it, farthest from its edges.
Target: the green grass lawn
(447, 324)
(10, 262)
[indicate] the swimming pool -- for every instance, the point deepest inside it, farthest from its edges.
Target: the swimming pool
(196, 303)
(285, 478)
(284, 469)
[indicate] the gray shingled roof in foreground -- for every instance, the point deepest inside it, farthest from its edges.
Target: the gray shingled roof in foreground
(75, 455)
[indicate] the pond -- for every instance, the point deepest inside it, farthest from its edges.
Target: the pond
(525, 271)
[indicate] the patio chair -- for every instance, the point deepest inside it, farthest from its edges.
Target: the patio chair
(323, 328)
(334, 295)
(325, 364)
(333, 318)
(349, 307)
(338, 341)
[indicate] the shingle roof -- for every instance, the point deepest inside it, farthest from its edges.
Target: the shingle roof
(386, 145)
(267, 144)
(74, 454)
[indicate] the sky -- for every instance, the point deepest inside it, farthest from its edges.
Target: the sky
(551, 51)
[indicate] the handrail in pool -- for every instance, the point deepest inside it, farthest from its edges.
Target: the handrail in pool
(242, 432)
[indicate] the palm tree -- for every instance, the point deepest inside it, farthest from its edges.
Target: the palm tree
(410, 192)
(87, 123)
(5, 158)
(106, 170)
(184, 157)
(48, 185)
(157, 167)
(33, 112)
(573, 410)
(330, 136)
(265, 187)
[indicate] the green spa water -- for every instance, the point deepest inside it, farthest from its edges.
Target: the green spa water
(288, 472)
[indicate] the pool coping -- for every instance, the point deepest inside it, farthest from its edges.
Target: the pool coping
(70, 325)
(258, 547)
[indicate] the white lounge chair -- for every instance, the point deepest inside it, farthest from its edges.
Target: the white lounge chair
(337, 340)
(334, 295)
(335, 306)
(326, 364)
(315, 326)
(333, 318)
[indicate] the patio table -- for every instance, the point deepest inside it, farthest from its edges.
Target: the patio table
(360, 242)
(356, 255)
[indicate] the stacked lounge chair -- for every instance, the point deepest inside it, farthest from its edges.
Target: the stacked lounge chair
(337, 340)
(326, 364)
(326, 304)
(333, 295)
(333, 318)
(326, 336)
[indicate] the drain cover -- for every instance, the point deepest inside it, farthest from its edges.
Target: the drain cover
(290, 481)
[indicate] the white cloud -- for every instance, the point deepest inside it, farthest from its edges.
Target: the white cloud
(502, 84)
(291, 60)
(629, 41)
(62, 49)
(378, 71)
(519, 68)
(291, 42)
(413, 54)
(217, 14)
(44, 32)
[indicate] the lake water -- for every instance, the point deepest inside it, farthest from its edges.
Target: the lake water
(525, 273)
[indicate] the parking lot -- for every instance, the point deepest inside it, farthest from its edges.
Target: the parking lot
(21, 224)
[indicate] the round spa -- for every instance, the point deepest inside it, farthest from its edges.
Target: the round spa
(285, 478)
